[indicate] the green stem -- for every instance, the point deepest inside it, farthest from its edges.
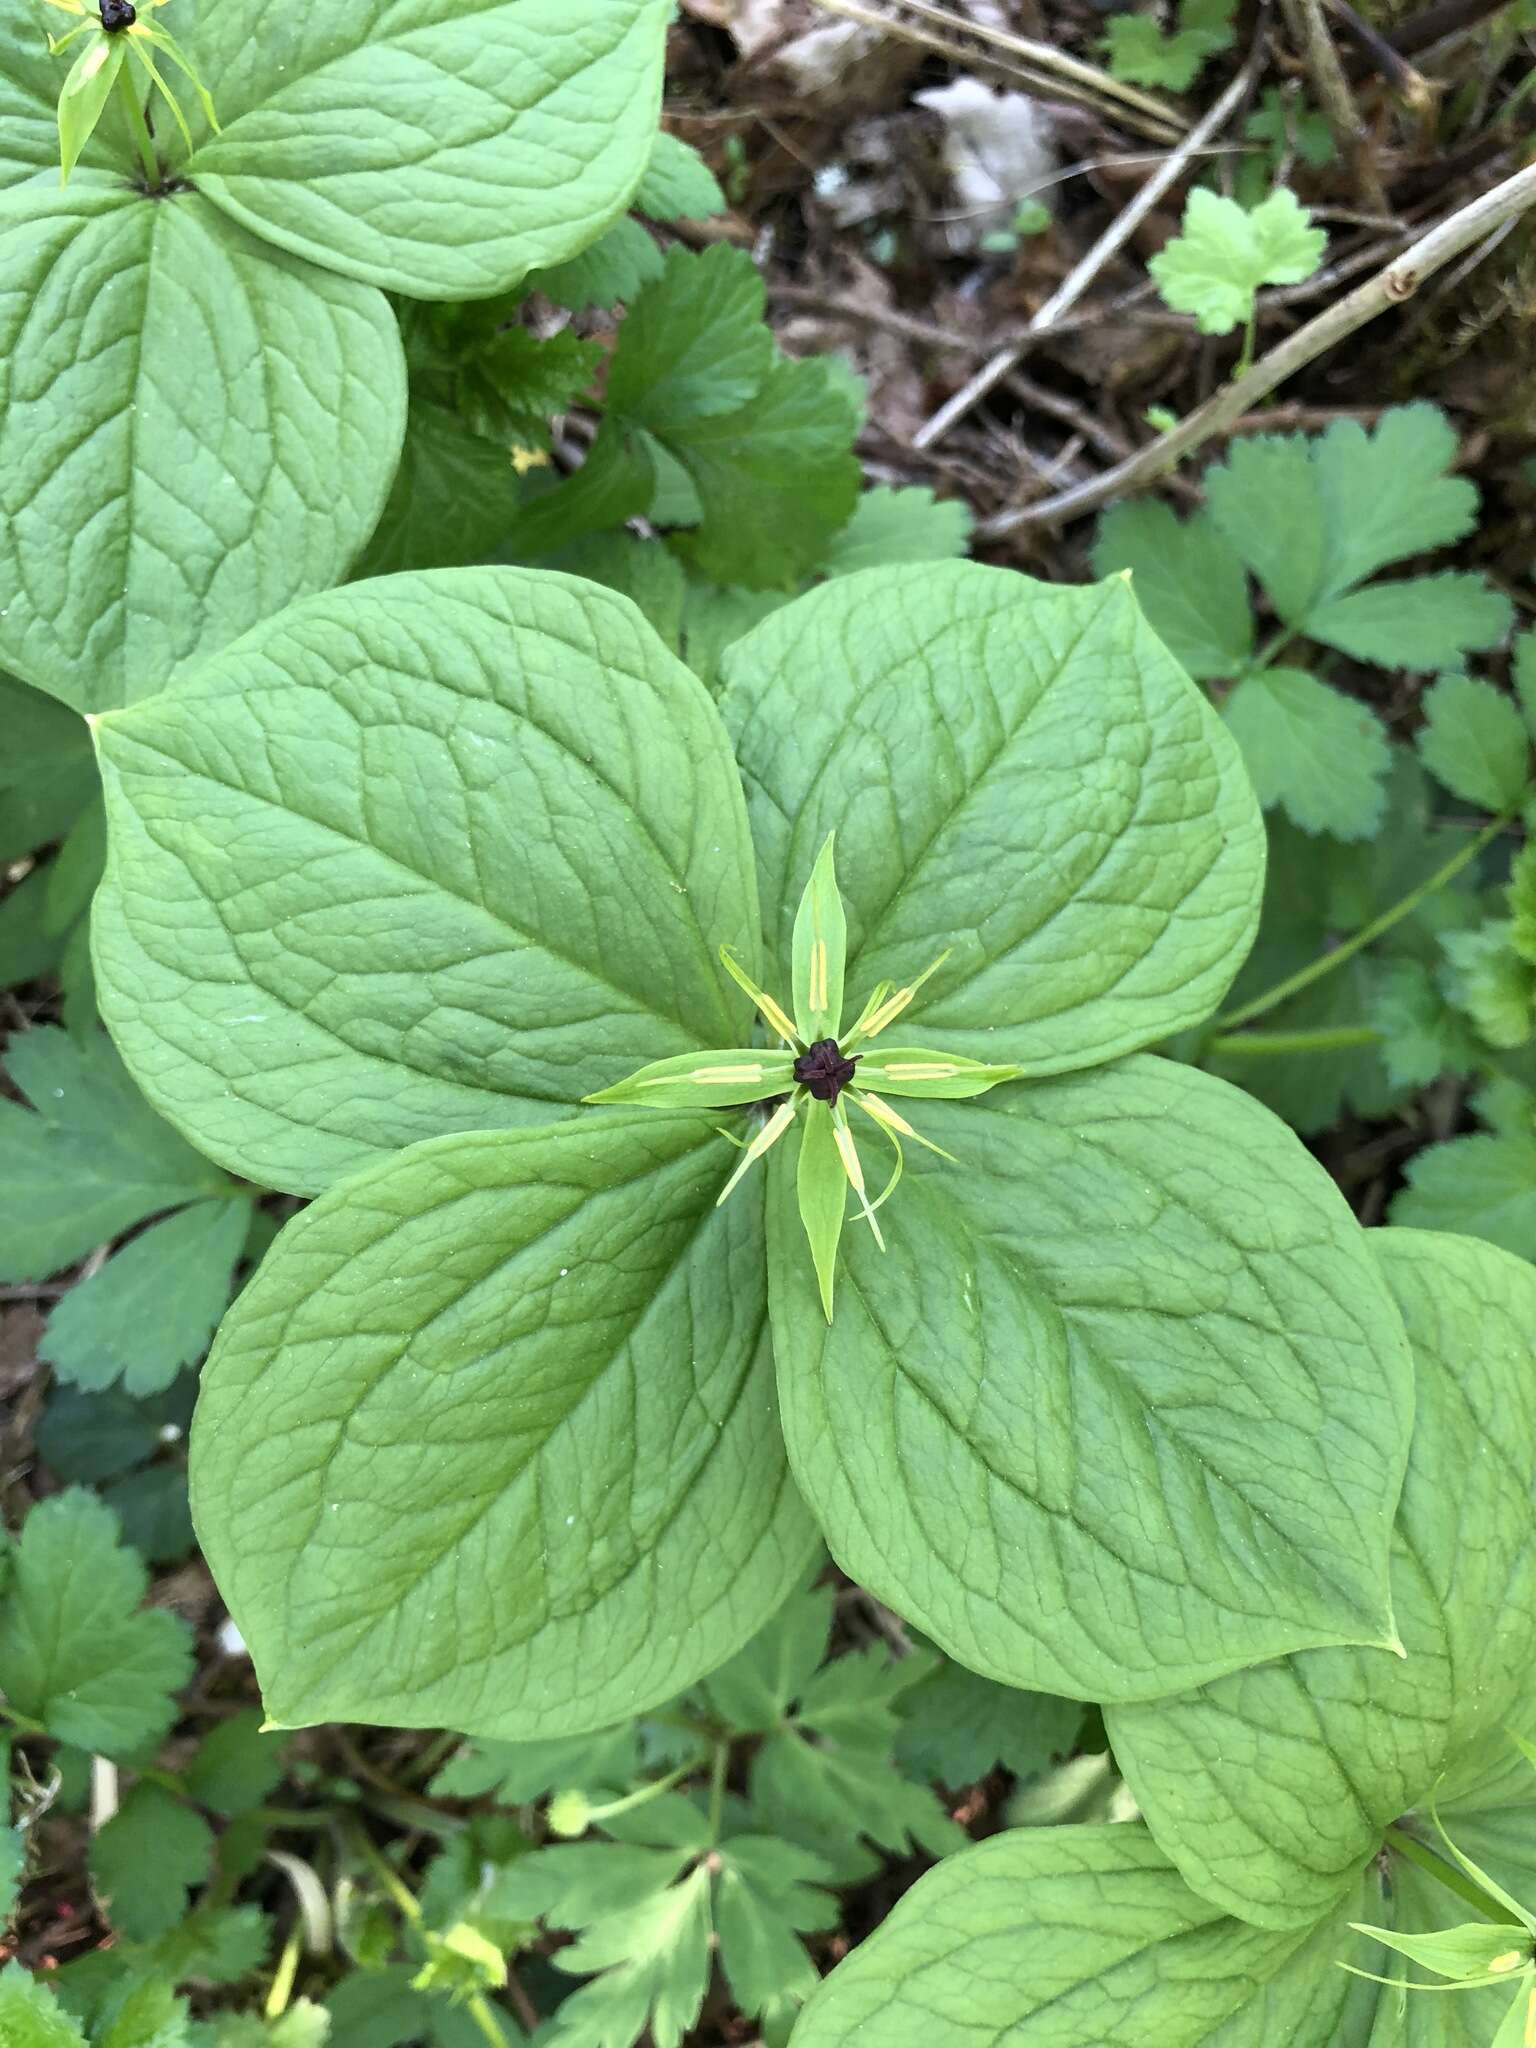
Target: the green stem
(719, 1765)
(1447, 1874)
(138, 127)
(1262, 1044)
(1348, 948)
(640, 1797)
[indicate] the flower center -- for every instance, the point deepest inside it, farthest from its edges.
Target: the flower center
(117, 14)
(824, 1070)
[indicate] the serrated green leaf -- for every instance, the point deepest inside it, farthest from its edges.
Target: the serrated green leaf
(957, 1726)
(1385, 495)
(454, 499)
(75, 1654)
(906, 525)
(151, 1310)
(776, 479)
(222, 420)
(142, 2013)
(694, 344)
(1273, 1787)
(1082, 834)
(655, 1964)
(760, 1683)
(1213, 268)
(616, 482)
(1417, 622)
(13, 1859)
(373, 945)
(147, 1858)
(825, 1793)
(1319, 754)
(1143, 53)
(30, 2017)
(766, 1895)
(153, 1508)
(547, 1380)
(1186, 579)
(461, 149)
(677, 183)
(618, 265)
(1266, 503)
(377, 2009)
(519, 1771)
(1488, 979)
(94, 1159)
(237, 1766)
(1482, 1185)
(216, 1945)
(1087, 1422)
(1422, 1035)
(644, 571)
(714, 618)
(1475, 742)
(1522, 902)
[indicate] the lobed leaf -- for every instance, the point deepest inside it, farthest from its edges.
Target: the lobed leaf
(1321, 755)
(1188, 581)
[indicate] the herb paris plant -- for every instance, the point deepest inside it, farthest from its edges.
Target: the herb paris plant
(1285, 1806)
(203, 390)
(493, 1439)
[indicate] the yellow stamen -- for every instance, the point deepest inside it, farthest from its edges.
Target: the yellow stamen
(921, 1070)
(883, 1113)
(709, 1077)
(768, 1136)
(818, 976)
(1511, 1960)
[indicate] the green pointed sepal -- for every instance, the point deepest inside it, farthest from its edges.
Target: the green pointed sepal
(705, 1080)
(910, 1070)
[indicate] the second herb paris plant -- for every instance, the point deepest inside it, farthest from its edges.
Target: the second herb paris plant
(516, 1429)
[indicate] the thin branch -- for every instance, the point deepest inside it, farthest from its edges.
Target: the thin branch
(939, 28)
(1391, 286)
(1309, 32)
(1114, 237)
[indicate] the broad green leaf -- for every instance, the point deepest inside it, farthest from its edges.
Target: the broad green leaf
(1095, 1358)
(1085, 1937)
(1018, 772)
(819, 951)
(1385, 495)
(1484, 1185)
(694, 343)
(906, 525)
(1223, 252)
(642, 570)
(1475, 742)
(1272, 1788)
(94, 1160)
(75, 1654)
(152, 1308)
(194, 429)
(48, 774)
(1319, 754)
(488, 1442)
(1187, 580)
(433, 150)
(30, 2016)
(714, 616)
(445, 851)
(677, 184)
(1417, 622)
(147, 1858)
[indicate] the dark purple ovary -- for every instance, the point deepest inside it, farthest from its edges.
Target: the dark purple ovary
(117, 14)
(824, 1070)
